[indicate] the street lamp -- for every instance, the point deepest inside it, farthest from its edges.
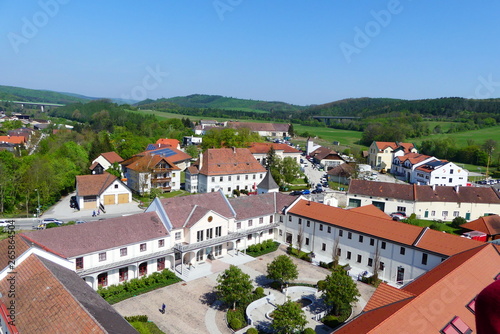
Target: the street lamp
(38, 207)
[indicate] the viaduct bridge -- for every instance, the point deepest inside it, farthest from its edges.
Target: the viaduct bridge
(42, 105)
(328, 119)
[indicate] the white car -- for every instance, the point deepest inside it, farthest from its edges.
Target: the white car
(4, 223)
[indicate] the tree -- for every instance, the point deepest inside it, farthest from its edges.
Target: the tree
(282, 269)
(339, 290)
(271, 158)
(115, 169)
(234, 286)
(193, 151)
(291, 131)
(289, 318)
(457, 221)
(300, 238)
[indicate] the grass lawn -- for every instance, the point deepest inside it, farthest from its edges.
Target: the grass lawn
(460, 138)
(446, 227)
(146, 327)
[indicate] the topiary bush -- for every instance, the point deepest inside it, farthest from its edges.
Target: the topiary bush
(309, 330)
(253, 331)
(235, 324)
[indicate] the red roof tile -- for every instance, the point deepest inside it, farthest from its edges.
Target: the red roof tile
(112, 157)
(488, 224)
(227, 161)
(263, 148)
(148, 162)
(13, 139)
(385, 295)
(93, 185)
(168, 142)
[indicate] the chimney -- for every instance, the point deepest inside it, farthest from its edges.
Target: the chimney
(434, 187)
(234, 150)
(201, 161)
(457, 188)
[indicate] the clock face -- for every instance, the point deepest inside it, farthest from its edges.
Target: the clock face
(210, 218)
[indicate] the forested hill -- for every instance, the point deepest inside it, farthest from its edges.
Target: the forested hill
(218, 102)
(33, 95)
(449, 107)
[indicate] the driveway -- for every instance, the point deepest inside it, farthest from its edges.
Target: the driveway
(192, 306)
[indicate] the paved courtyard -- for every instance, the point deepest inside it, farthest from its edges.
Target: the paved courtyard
(192, 306)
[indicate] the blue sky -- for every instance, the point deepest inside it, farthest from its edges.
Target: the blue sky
(297, 51)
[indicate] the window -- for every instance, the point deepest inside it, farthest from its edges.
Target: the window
(79, 263)
(341, 233)
(123, 274)
(372, 242)
(359, 258)
(218, 231)
(210, 233)
(228, 189)
(321, 227)
(455, 326)
(307, 241)
(472, 305)
(261, 176)
(199, 236)
(424, 259)
(270, 231)
(281, 233)
(237, 177)
(289, 218)
(246, 177)
(229, 178)
(360, 238)
(102, 256)
(161, 242)
(238, 225)
(308, 223)
(142, 247)
(339, 251)
(177, 236)
(123, 251)
(381, 266)
(143, 269)
(433, 213)
(249, 237)
(221, 178)
(370, 262)
(213, 179)
(271, 219)
(160, 264)
(213, 190)
(445, 213)
(218, 250)
(250, 223)
(261, 220)
(323, 247)
(348, 255)
(254, 176)
(455, 213)
(329, 229)
(402, 251)
(402, 208)
(102, 279)
(451, 171)
(116, 186)
(349, 235)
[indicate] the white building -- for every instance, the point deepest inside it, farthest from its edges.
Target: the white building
(225, 169)
(427, 202)
(381, 154)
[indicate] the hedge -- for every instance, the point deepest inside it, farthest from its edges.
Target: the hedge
(264, 247)
(136, 286)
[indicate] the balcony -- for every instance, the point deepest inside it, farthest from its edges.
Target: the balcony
(160, 179)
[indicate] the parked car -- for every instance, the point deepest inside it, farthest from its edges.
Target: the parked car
(296, 193)
(306, 192)
(398, 216)
(80, 222)
(73, 203)
(317, 191)
(52, 220)
(3, 223)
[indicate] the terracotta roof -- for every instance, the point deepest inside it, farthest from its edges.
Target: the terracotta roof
(414, 157)
(384, 228)
(229, 161)
(148, 162)
(440, 295)
(488, 224)
(21, 247)
(173, 154)
(75, 240)
(424, 193)
(385, 295)
(321, 152)
(93, 185)
(193, 169)
(53, 299)
(263, 148)
(112, 157)
(13, 139)
(168, 142)
(370, 210)
(179, 209)
(382, 145)
(270, 127)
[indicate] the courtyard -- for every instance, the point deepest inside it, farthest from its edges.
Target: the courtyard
(191, 306)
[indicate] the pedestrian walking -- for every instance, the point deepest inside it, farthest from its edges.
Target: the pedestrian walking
(93, 213)
(163, 306)
(98, 211)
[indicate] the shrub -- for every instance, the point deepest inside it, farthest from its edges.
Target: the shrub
(457, 221)
(137, 318)
(252, 331)
(259, 291)
(235, 324)
(309, 330)
(435, 226)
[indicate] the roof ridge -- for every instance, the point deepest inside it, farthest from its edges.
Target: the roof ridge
(190, 215)
(24, 236)
(420, 236)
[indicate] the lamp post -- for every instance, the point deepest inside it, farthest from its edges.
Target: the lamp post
(38, 207)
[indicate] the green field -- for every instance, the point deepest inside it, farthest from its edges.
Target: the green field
(460, 138)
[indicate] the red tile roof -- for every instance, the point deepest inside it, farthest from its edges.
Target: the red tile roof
(370, 210)
(488, 224)
(414, 157)
(13, 139)
(263, 148)
(178, 157)
(269, 203)
(112, 157)
(93, 185)
(382, 189)
(229, 161)
(168, 142)
(382, 145)
(384, 227)
(148, 162)
(75, 240)
(385, 295)
(440, 295)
